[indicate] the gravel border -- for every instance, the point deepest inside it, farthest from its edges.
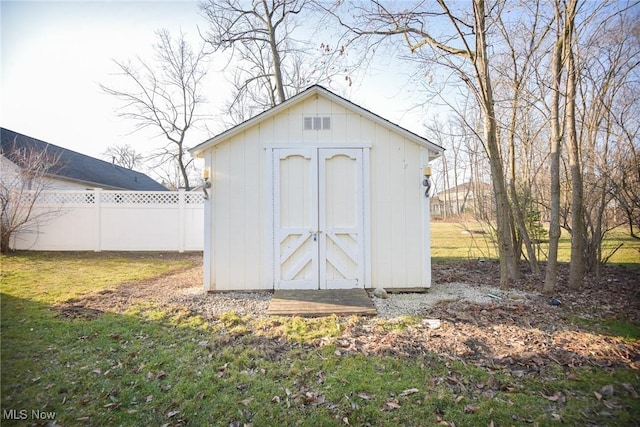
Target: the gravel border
(411, 304)
(214, 304)
(395, 305)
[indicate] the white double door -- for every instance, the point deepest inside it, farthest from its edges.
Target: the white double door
(318, 218)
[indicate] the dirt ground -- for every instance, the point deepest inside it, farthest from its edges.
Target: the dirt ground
(525, 336)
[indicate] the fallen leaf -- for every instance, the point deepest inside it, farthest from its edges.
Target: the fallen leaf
(161, 375)
(471, 409)
(409, 391)
(632, 391)
(431, 323)
(314, 398)
(275, 399)
(521, 419)
(365, 395)
(454, 380)
(555, 398)
(246, 401)
(390, 405)
(459, 399)
(597, 395)
(172, 414)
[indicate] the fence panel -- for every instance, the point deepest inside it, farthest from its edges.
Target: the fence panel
(100, 220)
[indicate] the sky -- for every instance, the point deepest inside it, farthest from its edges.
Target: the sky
(55, 54)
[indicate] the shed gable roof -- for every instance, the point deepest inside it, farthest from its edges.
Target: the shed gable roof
(301, 97)
(73, 166)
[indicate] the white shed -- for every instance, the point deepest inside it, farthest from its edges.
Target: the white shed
(316, 193)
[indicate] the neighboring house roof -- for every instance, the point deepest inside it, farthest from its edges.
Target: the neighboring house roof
(307, 93)
(76, 167)
(464, 191)
(467, 186)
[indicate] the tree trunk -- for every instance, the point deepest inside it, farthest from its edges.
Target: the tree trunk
(183, 170)
(275, 53)
(517, 209)
(4, 243)
(445, 194)
(508, 264)
(519, 218)
(578, 229)
(551, 273)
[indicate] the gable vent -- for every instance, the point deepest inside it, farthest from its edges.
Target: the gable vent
(317, 123)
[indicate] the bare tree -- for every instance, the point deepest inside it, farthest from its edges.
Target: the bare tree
(268, 57)
(523, 40)
(578, 230)
(258, 33)
(165, 95)
(460, 163)
(626, 181)
(624, 170)
(123, 155)
(464, 50)
(609, 62)
(558, 60)
(23, 180)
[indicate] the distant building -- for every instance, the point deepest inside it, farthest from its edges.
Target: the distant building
(468, 198)
(71, 170)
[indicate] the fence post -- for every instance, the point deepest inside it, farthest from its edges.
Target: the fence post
(97, 220)
(181, 219)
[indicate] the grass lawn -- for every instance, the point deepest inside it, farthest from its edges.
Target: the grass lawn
(466, 240)
(159, 366)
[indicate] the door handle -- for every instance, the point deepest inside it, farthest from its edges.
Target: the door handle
(314, 234)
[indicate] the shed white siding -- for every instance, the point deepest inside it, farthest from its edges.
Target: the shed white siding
(396, 215)
(239, 247)
(240, 231)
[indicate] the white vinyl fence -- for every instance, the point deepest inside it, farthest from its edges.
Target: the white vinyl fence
(100, 220)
